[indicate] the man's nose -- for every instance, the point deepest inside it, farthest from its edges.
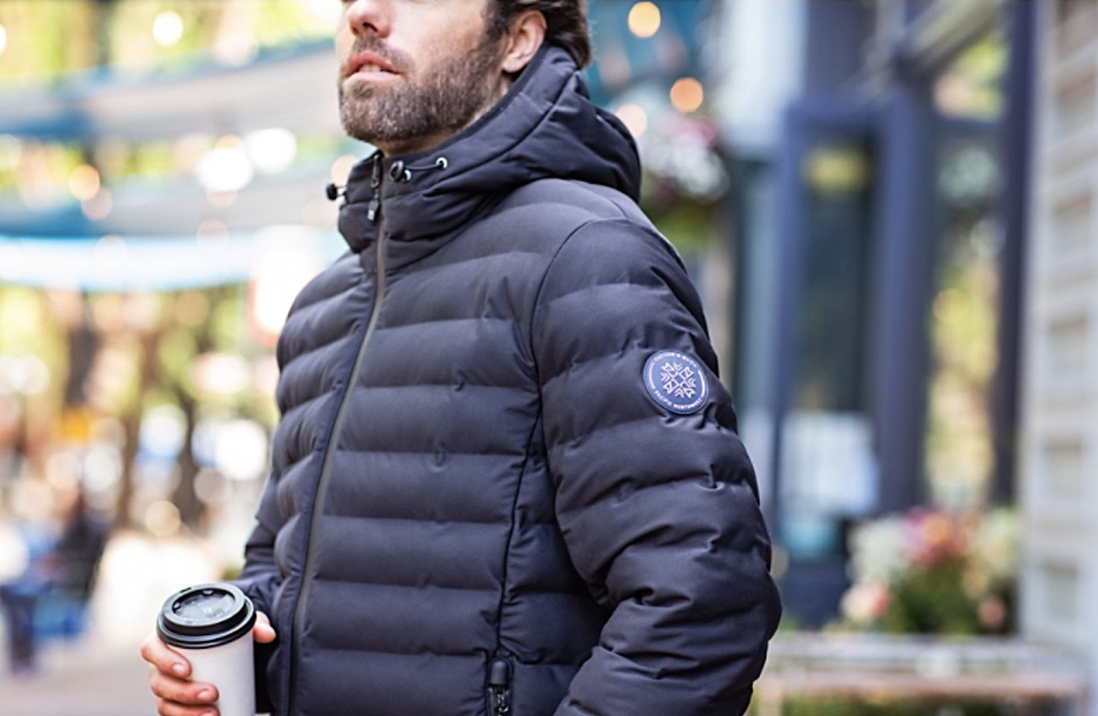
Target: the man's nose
(370, 16)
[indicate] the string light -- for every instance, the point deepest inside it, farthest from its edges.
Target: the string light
(645, 19)
(167, 28)
(687, 95)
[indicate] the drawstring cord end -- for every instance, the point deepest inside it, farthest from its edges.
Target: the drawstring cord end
(400, 172)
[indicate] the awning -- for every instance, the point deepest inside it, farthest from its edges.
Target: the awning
(159, 263)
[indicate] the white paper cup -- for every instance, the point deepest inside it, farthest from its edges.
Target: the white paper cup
(211, 625)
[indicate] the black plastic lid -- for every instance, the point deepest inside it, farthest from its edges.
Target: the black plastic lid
(205, 616)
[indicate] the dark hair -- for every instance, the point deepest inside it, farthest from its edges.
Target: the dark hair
(565, 23)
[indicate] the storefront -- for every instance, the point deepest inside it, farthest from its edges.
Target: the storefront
(884, 376)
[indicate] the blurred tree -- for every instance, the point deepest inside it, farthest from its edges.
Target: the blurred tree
(103, 361)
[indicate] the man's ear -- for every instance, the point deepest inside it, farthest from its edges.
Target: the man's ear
(525, 36)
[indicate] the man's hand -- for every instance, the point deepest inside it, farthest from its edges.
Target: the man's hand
(169, 675)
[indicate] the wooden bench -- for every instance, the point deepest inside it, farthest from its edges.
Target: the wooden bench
(878, 668)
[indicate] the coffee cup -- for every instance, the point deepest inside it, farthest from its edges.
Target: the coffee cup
(211, 625)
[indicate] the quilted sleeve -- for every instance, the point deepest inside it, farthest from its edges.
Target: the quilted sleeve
(259, 579)
(260, 576)
(656, 496)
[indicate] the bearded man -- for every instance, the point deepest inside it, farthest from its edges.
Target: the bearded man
(506, 479)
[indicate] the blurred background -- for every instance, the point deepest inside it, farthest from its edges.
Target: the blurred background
(888, 206)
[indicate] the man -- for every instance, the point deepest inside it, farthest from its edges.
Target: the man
(506, 480)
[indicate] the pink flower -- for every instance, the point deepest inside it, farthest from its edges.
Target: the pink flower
(992, 613)
(866, 602)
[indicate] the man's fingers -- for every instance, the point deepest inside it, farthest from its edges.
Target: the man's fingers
(164, 659)
(168, 672)
(167, 708)
(179, 692)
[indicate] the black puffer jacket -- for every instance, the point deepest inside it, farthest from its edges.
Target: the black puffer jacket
(506, 478)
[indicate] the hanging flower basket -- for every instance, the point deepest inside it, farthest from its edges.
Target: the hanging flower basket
(931, 571)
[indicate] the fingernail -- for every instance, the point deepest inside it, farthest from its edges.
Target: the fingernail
(179, 669)
(206, 695)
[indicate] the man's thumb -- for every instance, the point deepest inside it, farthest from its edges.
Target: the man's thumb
(263, 632)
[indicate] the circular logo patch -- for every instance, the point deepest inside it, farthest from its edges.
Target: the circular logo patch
(676, 381)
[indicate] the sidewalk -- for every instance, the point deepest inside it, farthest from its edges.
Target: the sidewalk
(80, 679)
(101, 673)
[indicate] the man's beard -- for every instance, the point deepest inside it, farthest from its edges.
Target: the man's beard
(444, 100)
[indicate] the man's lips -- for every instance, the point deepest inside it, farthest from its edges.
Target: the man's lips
(368, 63)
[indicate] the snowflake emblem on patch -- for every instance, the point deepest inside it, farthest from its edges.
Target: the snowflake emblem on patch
(676, 381)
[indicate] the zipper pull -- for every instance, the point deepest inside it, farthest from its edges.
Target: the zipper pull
(375, 184)
(499, 682)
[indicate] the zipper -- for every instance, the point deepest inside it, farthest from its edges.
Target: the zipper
(337, 427)
(499, 686)
(375, 200)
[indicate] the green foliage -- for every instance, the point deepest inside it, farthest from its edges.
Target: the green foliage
(227, 321)
(972, 86)
(176, 350)
(930, 602)
(46, 39)
(49, 38)
(152, 158)
(690, 226)
(282, 23)
(27, 329)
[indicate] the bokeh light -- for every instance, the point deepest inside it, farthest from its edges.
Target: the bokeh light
(226, 167)
(162, 518)
(26, 375)
(163, 430)
(241, 450)
(192, 308)
(271, 150)
(212, 230)
(221, 199)
(645, 19)
(220, 374)
(189, 150)
(635, 119)
(103, 468)
(83, 182)
(98, 206)
(167, 28)
(687, 95)
(210, 486)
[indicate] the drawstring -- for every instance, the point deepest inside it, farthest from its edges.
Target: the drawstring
(400, 172)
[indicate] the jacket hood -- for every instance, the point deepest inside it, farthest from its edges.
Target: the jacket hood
(544, 127)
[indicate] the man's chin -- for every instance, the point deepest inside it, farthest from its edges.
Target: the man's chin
(362, 134)
(357, 124)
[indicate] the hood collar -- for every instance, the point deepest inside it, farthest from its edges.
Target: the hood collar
(544, 127)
